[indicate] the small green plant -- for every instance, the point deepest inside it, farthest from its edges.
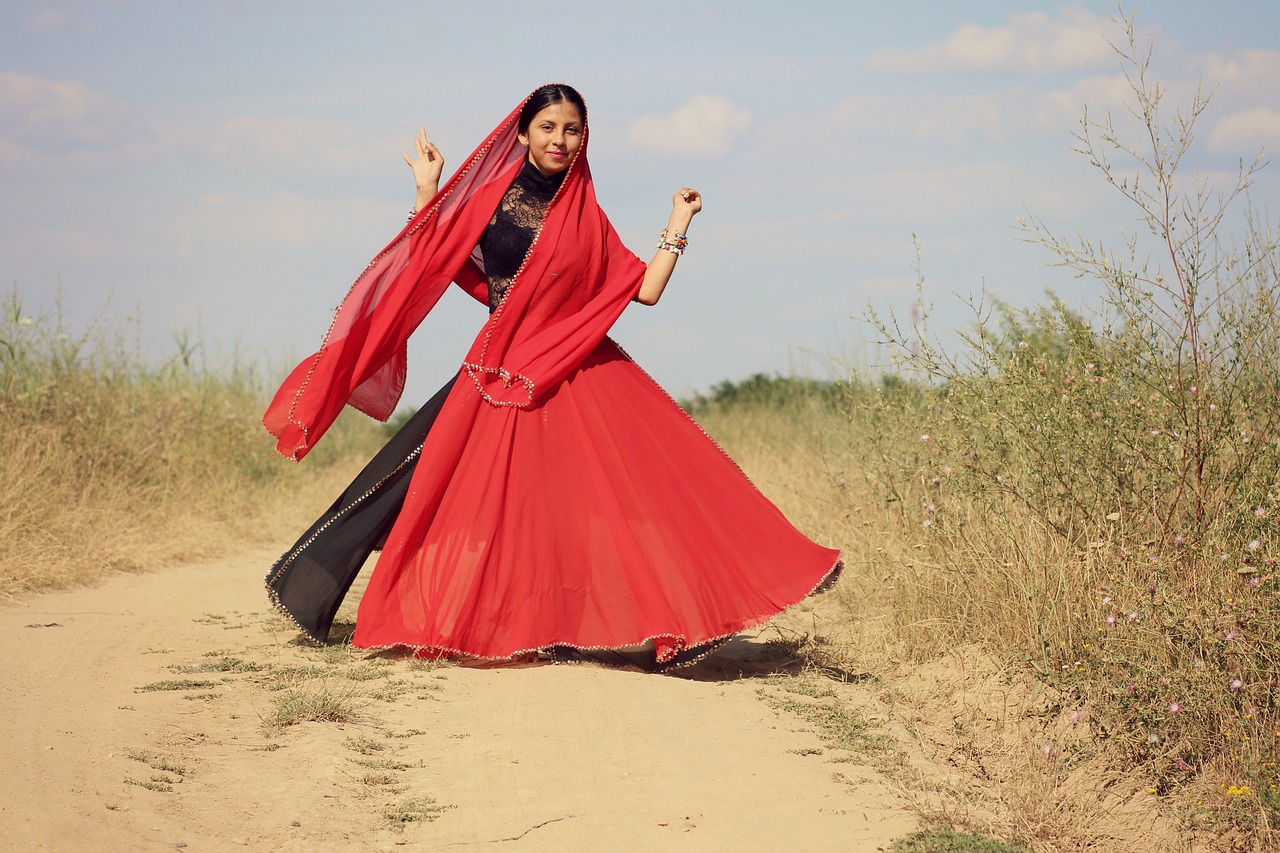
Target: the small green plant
(176, 684)
(379, 779)
(946, 841)
(160, 784)
(382, 764)
(419, 809)
(156, 762)
(837, 725)
(224, 663)
(317, 702)
(364, 745)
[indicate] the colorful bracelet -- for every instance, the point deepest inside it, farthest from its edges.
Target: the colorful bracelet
(676, 246)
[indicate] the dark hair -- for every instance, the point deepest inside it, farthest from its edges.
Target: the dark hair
(545, 96)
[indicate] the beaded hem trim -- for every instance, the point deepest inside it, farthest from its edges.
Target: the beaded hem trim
(289, 556)
(681, 646)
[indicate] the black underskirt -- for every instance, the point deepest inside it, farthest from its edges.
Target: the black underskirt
(310, 580)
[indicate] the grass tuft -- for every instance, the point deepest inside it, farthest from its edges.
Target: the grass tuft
(175, 684)
(417, 810)
(946, 841)
(315, 702)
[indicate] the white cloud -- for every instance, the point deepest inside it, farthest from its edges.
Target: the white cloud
(280, 220)
(42, 120)
(704, 127)
(1244, 133)
(1255, 70)
(302, 141)
(59, 21)
(1030, 43)
(285, 220)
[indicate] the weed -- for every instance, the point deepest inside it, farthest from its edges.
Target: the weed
(392, 689)
(416, 810)
(946, 841)
(222, 664)
(364, 745)
(839, 727)
(314, 702)
(156, 762)
(364, 673)
(379, 779)
(159, 784)
(382, 764)
(175, 684)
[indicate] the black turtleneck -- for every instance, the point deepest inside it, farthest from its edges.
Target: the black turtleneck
(507, 238)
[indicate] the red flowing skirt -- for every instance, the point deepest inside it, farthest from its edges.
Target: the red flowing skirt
(602, 517)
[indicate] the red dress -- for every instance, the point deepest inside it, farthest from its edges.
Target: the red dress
(559, 497)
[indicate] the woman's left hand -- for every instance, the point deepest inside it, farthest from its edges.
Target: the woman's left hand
(688, 200)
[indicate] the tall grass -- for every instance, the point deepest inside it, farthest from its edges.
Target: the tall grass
(110, 462)
(1090, 494)
(1096, 493)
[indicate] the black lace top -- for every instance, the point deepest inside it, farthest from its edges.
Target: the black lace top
(507, 238)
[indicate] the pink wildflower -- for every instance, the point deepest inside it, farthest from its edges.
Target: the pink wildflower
(1175, 707)
(1236, 684)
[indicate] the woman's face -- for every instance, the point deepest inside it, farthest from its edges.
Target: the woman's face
(553, 137)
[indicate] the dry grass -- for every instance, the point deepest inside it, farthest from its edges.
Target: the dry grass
(103, 450)
(904, 608)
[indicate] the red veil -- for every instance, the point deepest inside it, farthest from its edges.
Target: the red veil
(560, 497)
(528, 344)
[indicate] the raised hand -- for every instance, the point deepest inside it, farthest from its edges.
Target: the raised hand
(427, 166)
(687, 200)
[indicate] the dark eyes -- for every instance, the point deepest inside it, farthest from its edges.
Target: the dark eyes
(546, 128)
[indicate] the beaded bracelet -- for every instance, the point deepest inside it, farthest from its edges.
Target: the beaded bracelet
(676, 246)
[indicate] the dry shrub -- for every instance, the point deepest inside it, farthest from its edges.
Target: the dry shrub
(1090, 497)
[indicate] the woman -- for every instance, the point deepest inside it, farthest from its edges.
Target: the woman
(551, 498)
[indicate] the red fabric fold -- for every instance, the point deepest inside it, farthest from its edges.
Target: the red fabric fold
(530, 343)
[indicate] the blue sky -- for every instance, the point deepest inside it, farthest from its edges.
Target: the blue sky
(227, 168)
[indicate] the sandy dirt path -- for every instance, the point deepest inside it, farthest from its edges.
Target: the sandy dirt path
(134, 719)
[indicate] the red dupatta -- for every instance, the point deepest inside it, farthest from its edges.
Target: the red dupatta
(575, 281)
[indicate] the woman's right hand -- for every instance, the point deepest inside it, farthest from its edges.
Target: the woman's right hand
(427, 167)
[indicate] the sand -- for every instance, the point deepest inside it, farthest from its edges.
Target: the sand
(536, 757)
